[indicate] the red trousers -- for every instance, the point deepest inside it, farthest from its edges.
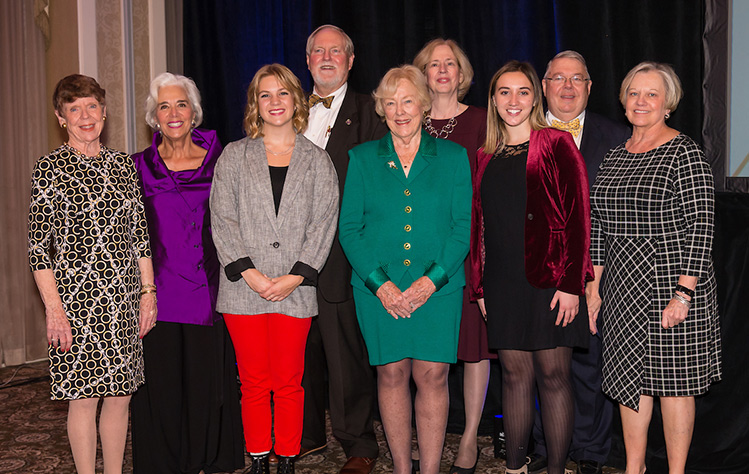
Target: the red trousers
(270, 359)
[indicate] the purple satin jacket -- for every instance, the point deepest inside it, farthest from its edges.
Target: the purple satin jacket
(184, 259)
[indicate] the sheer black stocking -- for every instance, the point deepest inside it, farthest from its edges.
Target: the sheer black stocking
(550, 368)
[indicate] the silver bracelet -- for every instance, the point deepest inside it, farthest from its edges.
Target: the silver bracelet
(683, 300)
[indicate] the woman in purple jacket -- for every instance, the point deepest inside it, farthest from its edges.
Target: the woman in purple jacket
(186, 418)
(530, 239)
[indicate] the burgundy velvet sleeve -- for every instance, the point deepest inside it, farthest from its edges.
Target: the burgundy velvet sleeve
(575, 198)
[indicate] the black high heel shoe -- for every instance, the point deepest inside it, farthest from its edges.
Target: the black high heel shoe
(466, 470)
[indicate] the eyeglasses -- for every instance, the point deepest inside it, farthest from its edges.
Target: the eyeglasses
(576, 80)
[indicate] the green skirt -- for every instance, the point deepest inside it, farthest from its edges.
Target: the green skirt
(430, 334)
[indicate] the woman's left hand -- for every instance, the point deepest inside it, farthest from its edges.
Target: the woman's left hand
(147, 313)
(419, 292)
(568, 307)
(674, 314)
(282, 287)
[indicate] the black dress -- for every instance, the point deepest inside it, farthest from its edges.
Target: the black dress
(518, 314)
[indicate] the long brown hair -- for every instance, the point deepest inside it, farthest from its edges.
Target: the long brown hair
(496, 130)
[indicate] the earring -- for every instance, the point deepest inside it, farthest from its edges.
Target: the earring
(193, 124)
(668, 116)
(104, 118)
(63, 125)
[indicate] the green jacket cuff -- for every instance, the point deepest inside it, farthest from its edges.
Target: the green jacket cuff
(376, 279)
(437, 274)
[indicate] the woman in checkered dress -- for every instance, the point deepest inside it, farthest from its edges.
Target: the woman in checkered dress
(652, 232)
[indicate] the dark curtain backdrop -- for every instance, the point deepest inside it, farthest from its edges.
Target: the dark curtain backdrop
(226, 41)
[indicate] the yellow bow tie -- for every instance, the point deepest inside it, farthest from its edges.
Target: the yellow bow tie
(573, 127)
(314, 99)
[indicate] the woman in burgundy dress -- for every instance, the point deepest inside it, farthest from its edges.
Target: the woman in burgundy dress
(449, 74)
(186, 417)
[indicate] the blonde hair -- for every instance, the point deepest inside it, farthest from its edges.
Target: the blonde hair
(253, 123)
(389, 84)
(464, 65)
(496, 130)
(671, 82)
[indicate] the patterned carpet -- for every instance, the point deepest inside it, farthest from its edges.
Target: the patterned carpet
(33, 437)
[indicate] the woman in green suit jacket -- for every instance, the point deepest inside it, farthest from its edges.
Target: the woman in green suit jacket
(405, 227)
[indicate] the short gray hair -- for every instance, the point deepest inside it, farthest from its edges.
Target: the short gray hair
(569, 54)
(348, 45)
(169, 79)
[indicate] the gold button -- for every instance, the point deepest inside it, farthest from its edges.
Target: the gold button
(407, 246)
(408, 209)
(406, 262)
(407, 192)
(407, 228)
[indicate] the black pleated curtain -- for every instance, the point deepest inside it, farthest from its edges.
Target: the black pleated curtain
(226, 41)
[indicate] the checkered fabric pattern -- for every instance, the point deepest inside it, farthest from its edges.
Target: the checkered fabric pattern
(652, 221)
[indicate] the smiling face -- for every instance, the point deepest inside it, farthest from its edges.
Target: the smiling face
(275, 103)
(174, 114)
(646, 100)
(403, 111)
(513, 97)
(566, 99)
(328, 62)
(442, 71)
(84, 121)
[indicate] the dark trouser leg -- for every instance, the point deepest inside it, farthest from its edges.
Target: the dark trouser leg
(313, 382)
(591, 437)
(352, 388)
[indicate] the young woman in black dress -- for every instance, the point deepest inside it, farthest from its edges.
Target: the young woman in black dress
(530, 259)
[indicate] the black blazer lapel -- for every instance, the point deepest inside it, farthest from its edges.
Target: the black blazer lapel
(345, 127)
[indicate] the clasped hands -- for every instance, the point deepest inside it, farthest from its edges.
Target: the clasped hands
(272, 289)
(402, 303)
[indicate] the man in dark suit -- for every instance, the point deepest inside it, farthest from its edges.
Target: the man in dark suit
(339, 120)
(566, 87)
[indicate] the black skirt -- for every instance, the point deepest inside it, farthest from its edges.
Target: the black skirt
(186, 418)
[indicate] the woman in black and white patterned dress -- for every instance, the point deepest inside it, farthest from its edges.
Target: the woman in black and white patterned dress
(98, 291)
(652, 232)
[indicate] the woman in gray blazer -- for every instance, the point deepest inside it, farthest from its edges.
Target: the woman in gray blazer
(274, 211)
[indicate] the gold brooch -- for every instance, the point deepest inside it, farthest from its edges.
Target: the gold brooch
(392, 165)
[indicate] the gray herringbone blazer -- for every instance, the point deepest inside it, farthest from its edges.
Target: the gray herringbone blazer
(245, 224)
